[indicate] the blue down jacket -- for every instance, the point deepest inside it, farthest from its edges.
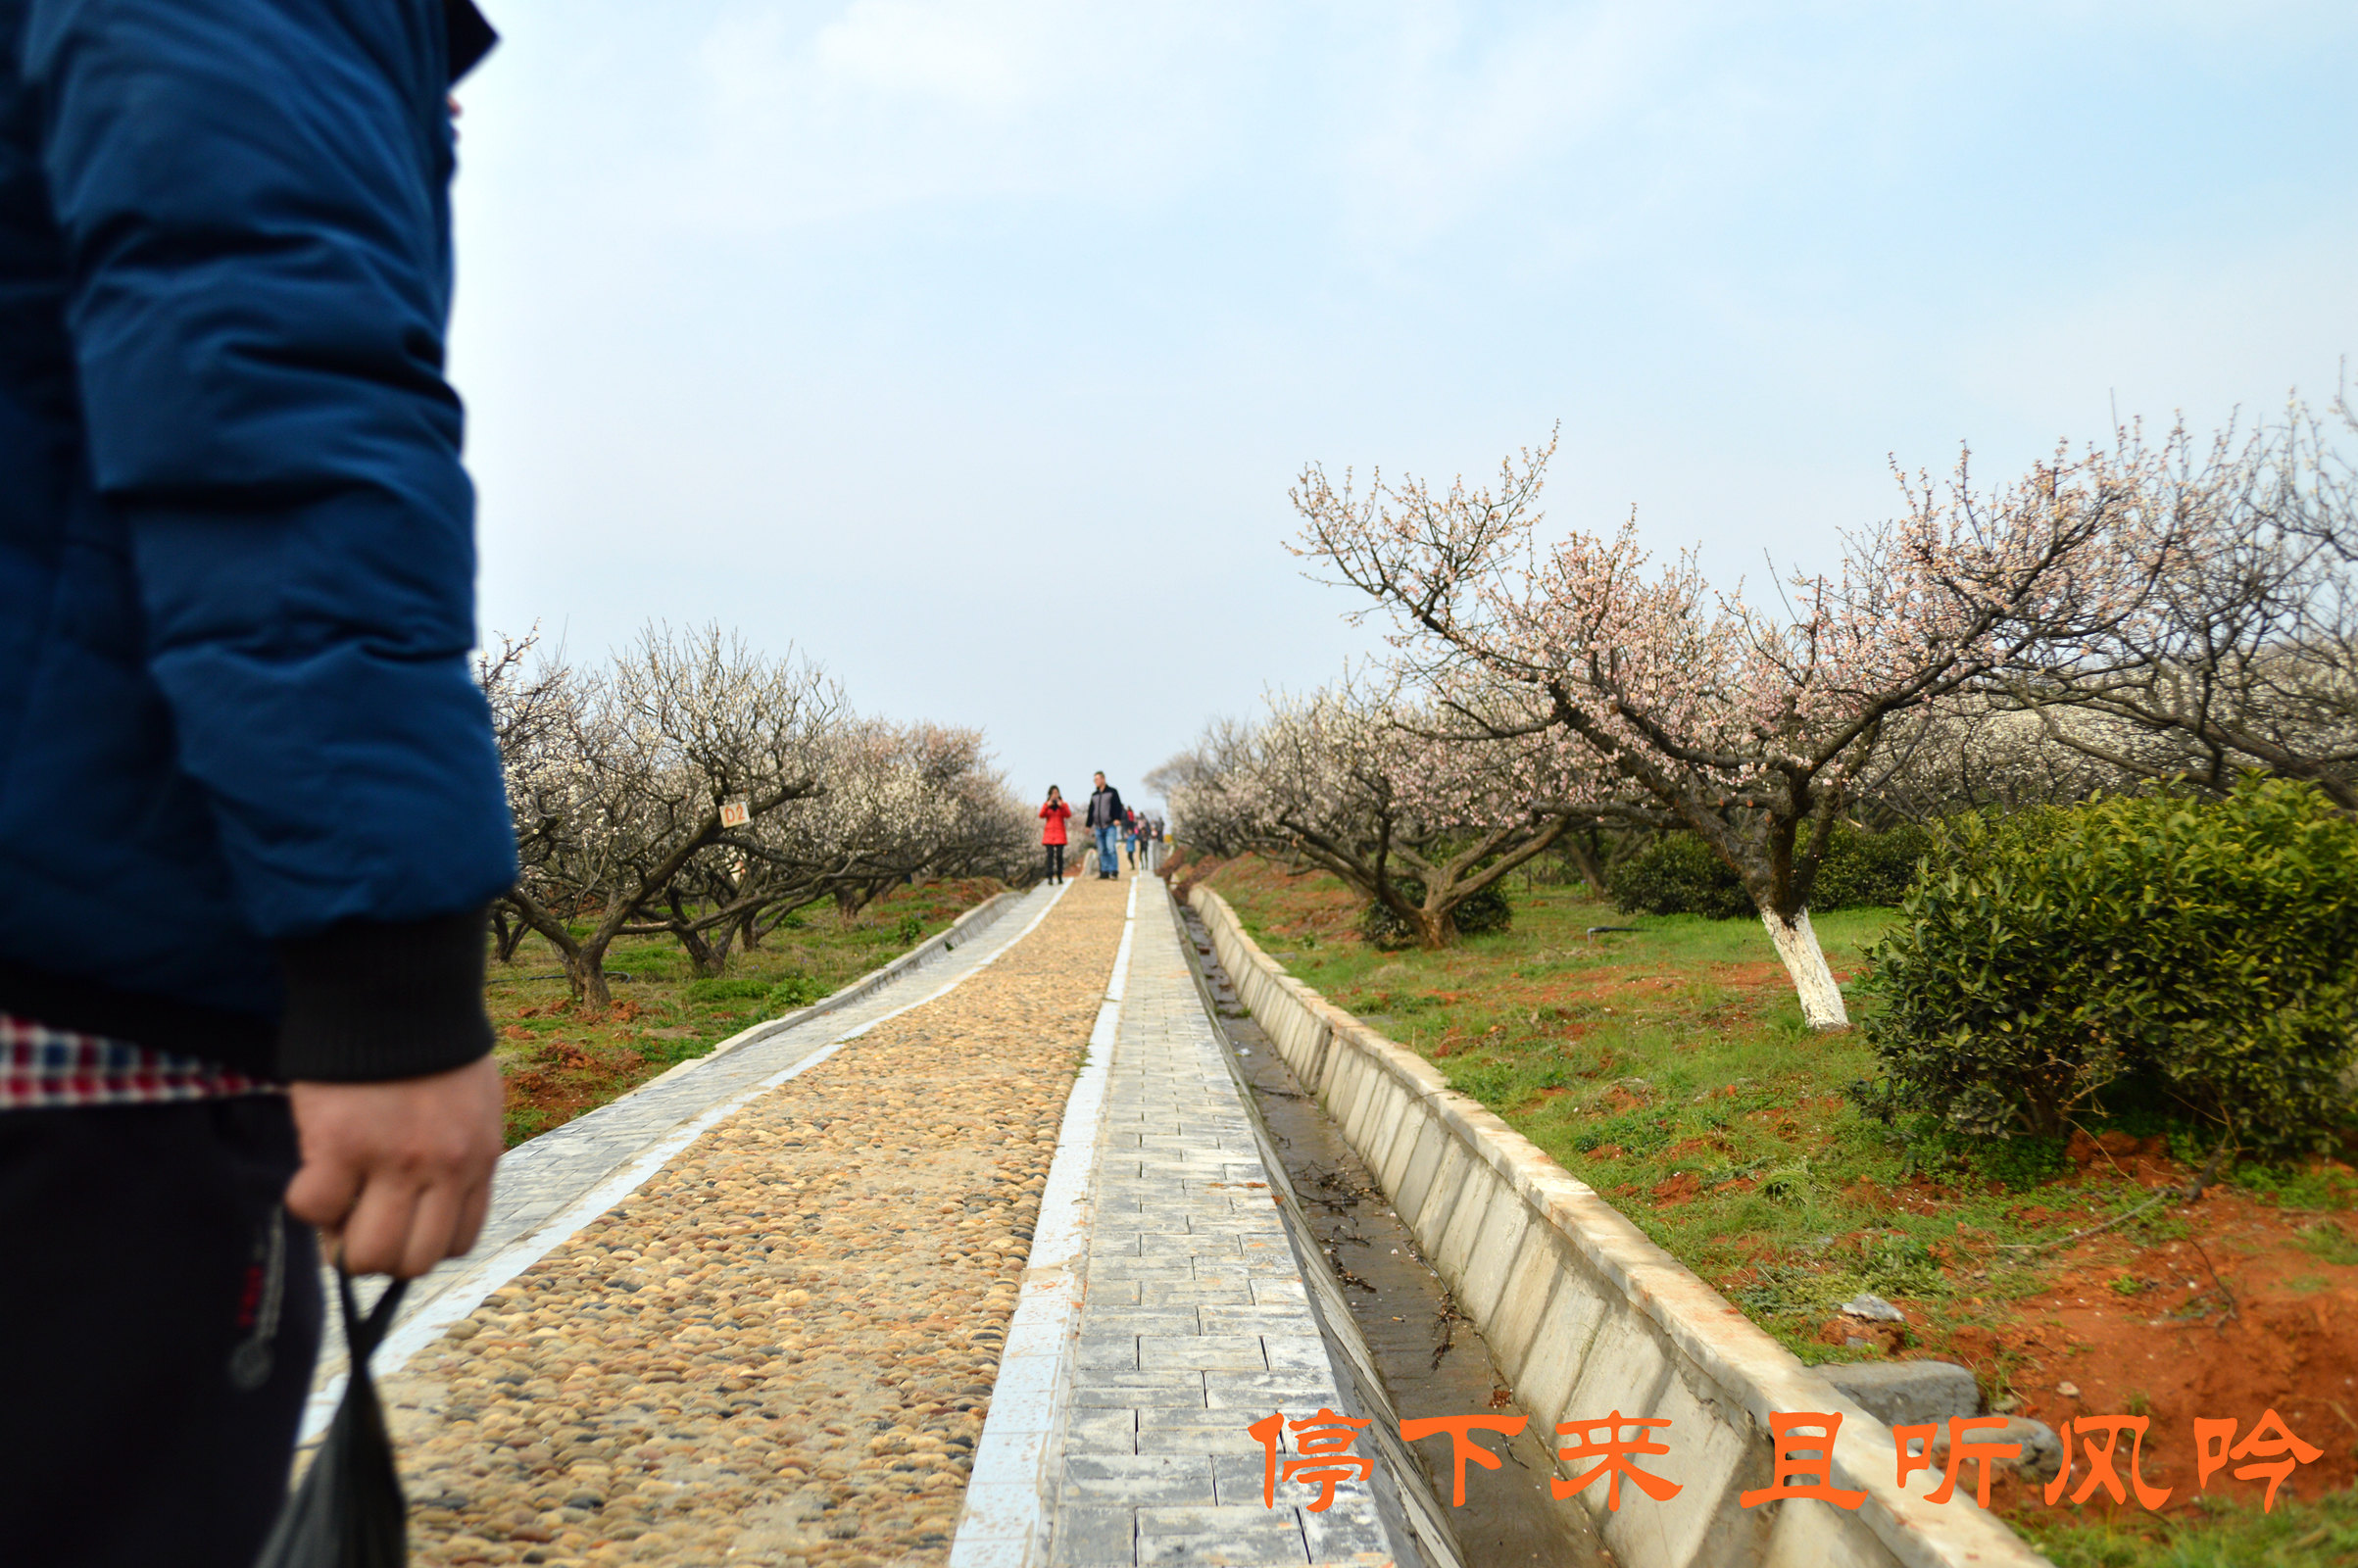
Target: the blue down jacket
(241, 754)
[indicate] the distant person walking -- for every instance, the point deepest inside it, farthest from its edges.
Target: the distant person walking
(1104, 819)
(1052, 817)
(1130, 831)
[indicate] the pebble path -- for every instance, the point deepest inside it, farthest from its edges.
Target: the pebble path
(779, 1351)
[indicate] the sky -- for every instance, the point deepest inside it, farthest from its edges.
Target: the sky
(970, 348)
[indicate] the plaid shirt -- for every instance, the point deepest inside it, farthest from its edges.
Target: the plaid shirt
(41, 1066)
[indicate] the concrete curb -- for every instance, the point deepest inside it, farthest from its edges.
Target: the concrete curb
(867, 984)
(1586, 1316)
(961, 930)
(1008, 1511)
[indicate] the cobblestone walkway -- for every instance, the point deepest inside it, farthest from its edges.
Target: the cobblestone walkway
(1194, 1320)
(778, 1349)
(550, 1187)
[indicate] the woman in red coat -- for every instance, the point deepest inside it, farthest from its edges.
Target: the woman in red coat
(1052, 817)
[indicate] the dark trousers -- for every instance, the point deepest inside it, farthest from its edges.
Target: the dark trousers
(1056, 861)
(149, 1401)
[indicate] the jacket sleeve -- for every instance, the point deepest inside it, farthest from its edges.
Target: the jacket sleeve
(253, 198)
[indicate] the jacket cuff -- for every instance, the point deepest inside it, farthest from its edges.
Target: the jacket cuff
(369, 1001)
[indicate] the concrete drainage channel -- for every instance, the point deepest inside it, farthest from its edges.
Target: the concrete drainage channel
(1426, 1358)
(1585, 1314)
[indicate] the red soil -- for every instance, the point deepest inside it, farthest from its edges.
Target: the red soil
(2237, 1319)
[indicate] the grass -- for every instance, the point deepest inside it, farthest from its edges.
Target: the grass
(2214, 1534)
(562, 1058)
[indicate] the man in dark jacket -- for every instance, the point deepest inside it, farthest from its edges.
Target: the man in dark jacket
(1105, 821)
(250, 807)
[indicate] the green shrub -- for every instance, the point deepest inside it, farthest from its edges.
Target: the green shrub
(1485, 913)
(795, 991)
(1679, 874)
(2207, 949)
(1869, 870)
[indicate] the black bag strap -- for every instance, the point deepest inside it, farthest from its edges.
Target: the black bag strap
(362, 1336)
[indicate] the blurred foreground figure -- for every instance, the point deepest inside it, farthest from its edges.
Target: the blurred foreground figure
(250, 807)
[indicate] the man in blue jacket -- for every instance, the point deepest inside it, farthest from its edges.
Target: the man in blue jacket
(1104, 820)
(250, 807)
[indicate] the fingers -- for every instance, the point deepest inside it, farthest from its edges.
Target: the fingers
(404, 1227)
(471, 1218)
(324, 1189)
(433, 1229)
(376, 1233)
(401, 1170)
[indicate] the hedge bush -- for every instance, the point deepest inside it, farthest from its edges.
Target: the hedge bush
(1678, 874)
(1869, 870)
(2205, 950)
(1485, 913)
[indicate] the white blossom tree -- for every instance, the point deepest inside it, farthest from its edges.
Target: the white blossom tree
(1204, 815)
(894, 804)
(538, 710)
(685, 725)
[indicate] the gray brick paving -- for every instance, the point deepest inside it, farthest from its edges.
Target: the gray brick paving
(1195, 1322)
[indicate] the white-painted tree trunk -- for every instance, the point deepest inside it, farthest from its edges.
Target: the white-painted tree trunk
(1797, 944)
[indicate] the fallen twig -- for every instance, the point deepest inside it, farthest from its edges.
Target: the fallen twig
(2168, 1194)
(2225, 1294)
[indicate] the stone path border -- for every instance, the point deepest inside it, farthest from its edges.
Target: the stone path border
(1166, 1310)
(1005, 1522)
(548, 1188)
(1585, 1314)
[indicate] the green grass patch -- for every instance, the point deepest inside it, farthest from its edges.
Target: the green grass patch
(563, 1059)
(2215, 1534)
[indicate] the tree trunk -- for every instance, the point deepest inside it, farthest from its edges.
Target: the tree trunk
(1434, 931)
(1581, 850)
(507, 935)
(584, 964)
(706, 964)
(585, 967)
(1797, 944)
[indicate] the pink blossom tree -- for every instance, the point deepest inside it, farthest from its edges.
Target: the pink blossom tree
(2244, 656)
(1752, 728)
(1405, 804)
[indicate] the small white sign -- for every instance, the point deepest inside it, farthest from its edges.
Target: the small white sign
(736, 813)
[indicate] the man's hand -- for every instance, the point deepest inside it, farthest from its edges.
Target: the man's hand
(400, 1172)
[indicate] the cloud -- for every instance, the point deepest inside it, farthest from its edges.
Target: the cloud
(894, 103)
(1398, 121)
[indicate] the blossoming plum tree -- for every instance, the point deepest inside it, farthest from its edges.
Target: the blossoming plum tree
(1751, 728)
(2244, 654)
(1409, 807)
(648, 756)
